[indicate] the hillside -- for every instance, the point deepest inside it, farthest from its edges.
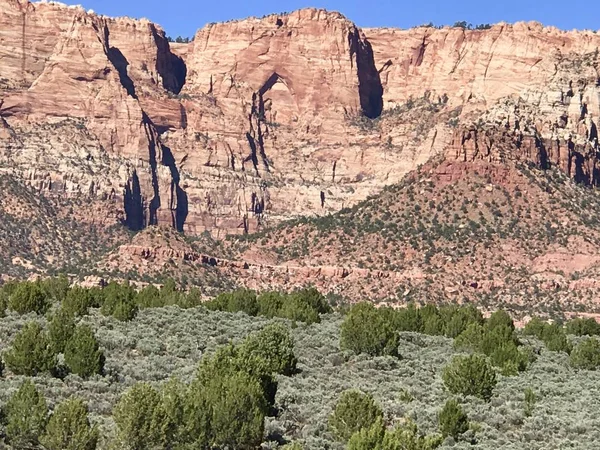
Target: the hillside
(509, 235)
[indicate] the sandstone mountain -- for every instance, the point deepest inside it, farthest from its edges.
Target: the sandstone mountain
(261, 121)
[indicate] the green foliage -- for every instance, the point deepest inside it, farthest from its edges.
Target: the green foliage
(369, 330)
(29, 297)
(270, 303)
(31, 352)
(586, 355)
(470, 375)
(26, 416)
(140, 418)
(303, 305)
(240, 300)
(556, 339)
(56, 288)
(119, 302)
(149, 297)
(274, 348)
(458, 318)
(354, 411)
(530, 399)
(535, 327)
(69, 428)
(553, 335)
(403, 437)
(238, 409)
(60, 330)
(500, 318)
(453, 420)
(581, 326)
(78, 301)
(82, 353)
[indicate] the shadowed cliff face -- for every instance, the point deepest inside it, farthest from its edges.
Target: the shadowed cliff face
(369, 82)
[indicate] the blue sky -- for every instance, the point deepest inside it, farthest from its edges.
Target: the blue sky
(184, 17)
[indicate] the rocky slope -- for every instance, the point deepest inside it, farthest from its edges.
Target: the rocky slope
(263, 120)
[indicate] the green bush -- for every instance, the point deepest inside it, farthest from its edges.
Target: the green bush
(274, 347)
(270, 303)
(238, 410)
(470, 375)
(556, 339)
(149, 297)
(78, 301)
(369, 330)
(583, 327)
(139, 417)
(535, 327)
(500, 318)
(119, 302)
(353, 411)
(29, 297)
(303, 305)
(240, 300)
(457, 318)
(26, 417)
(82, 353)
(31, 352)
(453, 420)
(56, 288)
(404, 437)
(69, 428)
(586, 355)
(60, 330)
(530, 399)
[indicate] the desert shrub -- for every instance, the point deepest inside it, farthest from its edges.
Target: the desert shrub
(535, 327)
(29, 297)
(353, 411)
(452, 420)
(139, 417)
(274, 348)
(313, 298)
(586, 355)
(530, 399)
(119, 301)
(26, 417)
(149, 297)
(408, 319)
(78, 301)
(238, 410)
(56, 288)
(369, 330)
(240, 300)
(169, 294)
(556, 339)
(60, 330)
(457, 318)
(31, 352)
(581, 326)
(294, 308)
(82, 353)
(270, 303)
(499, 342)
(303, 305)
(192, 299)
(471, 338)
(404, 437)
(173, 397)
(69, 428)
(470, 375)
(500, 318)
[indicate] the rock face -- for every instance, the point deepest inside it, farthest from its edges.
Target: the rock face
(261, 120)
